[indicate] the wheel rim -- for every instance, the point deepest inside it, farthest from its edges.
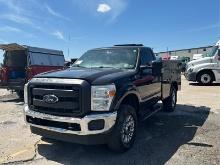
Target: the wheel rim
(127, 131)
(205, 78)
(173, 99)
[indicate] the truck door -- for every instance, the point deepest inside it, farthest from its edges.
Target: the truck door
(148, 85)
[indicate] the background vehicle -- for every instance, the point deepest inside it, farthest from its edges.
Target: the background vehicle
(101, 98)
(166, 57)
(207, 69)
(174, 57)
(21, 63)
(197, 56)
(184, 61)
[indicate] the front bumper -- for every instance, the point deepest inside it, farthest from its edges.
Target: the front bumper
(191, 76)
(55, 132)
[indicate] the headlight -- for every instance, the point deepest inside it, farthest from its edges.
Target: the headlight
(25, 94)
(102, 96)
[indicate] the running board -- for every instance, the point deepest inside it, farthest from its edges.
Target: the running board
(154, 109)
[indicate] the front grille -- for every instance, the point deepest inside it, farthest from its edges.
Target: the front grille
(69, 99)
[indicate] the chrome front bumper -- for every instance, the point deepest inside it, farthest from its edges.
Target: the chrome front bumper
(109, 122)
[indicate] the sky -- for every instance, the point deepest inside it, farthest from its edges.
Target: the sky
(79, 25)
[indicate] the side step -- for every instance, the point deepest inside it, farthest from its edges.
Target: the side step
(154, 109)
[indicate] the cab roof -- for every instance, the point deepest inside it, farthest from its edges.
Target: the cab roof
(123, 46)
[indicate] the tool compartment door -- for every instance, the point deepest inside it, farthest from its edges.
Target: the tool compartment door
(171, 73)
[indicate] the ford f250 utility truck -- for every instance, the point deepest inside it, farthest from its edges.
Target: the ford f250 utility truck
(205, 70)
(101, 98)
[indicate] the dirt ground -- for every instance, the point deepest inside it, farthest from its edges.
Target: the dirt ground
(190, 135)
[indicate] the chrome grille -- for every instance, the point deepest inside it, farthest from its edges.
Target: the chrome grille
(69, 99)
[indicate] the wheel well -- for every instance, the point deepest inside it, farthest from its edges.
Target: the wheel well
(175, 85)
(131, 100)
(205, 71)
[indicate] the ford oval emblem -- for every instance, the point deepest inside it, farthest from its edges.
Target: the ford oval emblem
(50, 99)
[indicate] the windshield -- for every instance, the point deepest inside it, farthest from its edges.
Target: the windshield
(213, 51)
(108, 58)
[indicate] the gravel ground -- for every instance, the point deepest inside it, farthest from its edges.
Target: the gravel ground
(3, 92)
(190, 135)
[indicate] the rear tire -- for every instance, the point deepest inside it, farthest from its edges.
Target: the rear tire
(124, 133)
(169, 104)
(205, 78)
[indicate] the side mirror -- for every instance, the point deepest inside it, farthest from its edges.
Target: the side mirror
(153, 68)
(156, 68)
(143, 67)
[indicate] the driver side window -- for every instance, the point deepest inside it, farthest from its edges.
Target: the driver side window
(146, 58)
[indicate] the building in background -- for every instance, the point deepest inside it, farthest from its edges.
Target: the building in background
(186, 52)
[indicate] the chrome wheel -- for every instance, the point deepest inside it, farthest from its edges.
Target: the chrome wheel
(127, 131)
(205, 78)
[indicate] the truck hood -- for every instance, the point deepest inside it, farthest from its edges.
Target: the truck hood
(199, 61)
(99, 75)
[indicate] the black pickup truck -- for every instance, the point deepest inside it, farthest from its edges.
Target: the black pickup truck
(101, 98)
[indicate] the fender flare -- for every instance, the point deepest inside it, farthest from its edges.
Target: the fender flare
(130, 92)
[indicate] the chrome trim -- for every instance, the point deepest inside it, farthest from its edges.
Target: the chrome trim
(109, 118)
(26, 93)
(50, 99)
(57, 81)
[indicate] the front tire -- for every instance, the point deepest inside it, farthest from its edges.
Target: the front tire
(205, 78)
(169, 104)
(124, 133)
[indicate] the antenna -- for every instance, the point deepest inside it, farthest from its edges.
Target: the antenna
(68, 46)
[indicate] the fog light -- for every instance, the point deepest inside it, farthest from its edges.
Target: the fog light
(96, 124)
